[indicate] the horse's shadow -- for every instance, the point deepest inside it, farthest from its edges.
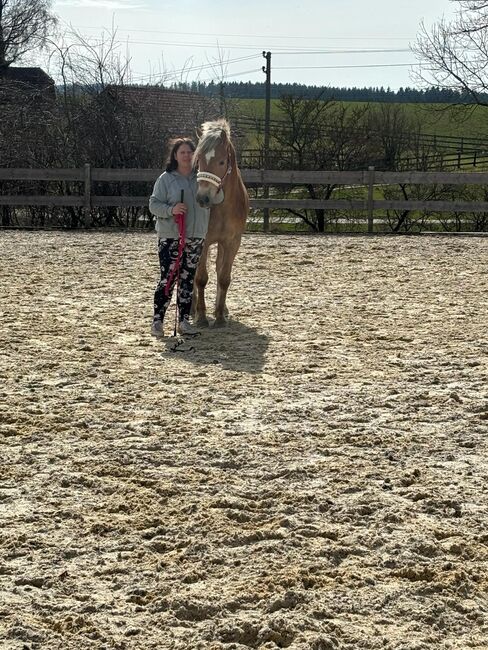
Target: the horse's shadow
(234, 347)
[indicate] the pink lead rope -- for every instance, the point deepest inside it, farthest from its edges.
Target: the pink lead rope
(180, 222)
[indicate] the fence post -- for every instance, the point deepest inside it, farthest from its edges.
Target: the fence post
(267, 116)
(87, 203)
(370, 199)
(266, 210)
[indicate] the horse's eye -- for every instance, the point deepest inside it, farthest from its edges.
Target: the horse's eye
(222, 162)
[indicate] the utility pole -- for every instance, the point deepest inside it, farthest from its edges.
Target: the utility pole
(267, 113)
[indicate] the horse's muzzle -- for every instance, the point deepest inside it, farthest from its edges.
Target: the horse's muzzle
(203, 202)
(203, 197)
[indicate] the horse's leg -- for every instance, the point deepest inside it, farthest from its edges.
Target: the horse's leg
(199, 309)
(218, 265)
(225, 259)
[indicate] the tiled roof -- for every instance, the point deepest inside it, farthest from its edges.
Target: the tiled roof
(18, 85)
(170, 112)
(31, 76)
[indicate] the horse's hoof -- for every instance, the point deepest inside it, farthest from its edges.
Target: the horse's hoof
(220, 322)
(202, 322)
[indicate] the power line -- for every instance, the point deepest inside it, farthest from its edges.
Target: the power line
(334, 67)
(349, 51)
(222, 64)
(238, 74)
(204, 66)
(266, 36)
(168, 75)
(229, 76)
(276, 49)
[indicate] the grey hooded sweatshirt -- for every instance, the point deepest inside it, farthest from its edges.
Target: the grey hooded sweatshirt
(167, 193)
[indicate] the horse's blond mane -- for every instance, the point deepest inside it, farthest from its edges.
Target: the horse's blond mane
(212, 133)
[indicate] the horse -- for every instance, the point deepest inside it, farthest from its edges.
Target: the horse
(215, 158)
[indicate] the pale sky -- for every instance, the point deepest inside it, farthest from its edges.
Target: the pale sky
(319, 42)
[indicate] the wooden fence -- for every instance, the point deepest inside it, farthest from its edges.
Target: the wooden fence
(437, 141)
(449, 160)
(369, 178)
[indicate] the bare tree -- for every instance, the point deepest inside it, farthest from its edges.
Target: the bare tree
(299, 135)
(335, 136)
(393, 131)
(26, 109)
(24, 27)
(399, 145)
(454, 54)
(219, 65)
(91, 64)
(320, 134)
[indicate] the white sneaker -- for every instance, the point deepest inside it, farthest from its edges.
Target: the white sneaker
(185, 327)
(157, 328)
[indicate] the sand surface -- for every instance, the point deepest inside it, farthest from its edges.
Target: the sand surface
(315, 476)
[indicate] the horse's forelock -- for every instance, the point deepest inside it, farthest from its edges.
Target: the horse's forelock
(213, 133)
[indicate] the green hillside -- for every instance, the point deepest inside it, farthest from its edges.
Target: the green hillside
(435, 119)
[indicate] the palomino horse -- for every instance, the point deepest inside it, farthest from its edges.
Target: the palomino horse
(216, 159)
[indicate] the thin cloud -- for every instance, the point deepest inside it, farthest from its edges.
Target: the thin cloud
(102, 4)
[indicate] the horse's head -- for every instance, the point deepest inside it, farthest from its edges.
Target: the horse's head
(214, 157)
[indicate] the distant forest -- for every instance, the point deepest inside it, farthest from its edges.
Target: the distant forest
(249, 90)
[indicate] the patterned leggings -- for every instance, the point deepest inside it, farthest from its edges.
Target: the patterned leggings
(168, 254)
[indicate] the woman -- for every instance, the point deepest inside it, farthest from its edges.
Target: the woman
(166, 203)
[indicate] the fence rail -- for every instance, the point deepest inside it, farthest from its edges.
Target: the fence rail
(369, 178)
(254, 159)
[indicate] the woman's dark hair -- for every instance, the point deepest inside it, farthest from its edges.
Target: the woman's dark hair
(174, 145)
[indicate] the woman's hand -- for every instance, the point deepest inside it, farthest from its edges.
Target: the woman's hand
(179, 208)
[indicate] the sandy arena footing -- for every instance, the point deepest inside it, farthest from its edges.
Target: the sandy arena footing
(314, 476)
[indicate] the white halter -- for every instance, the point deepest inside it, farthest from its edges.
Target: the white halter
(213, 179)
